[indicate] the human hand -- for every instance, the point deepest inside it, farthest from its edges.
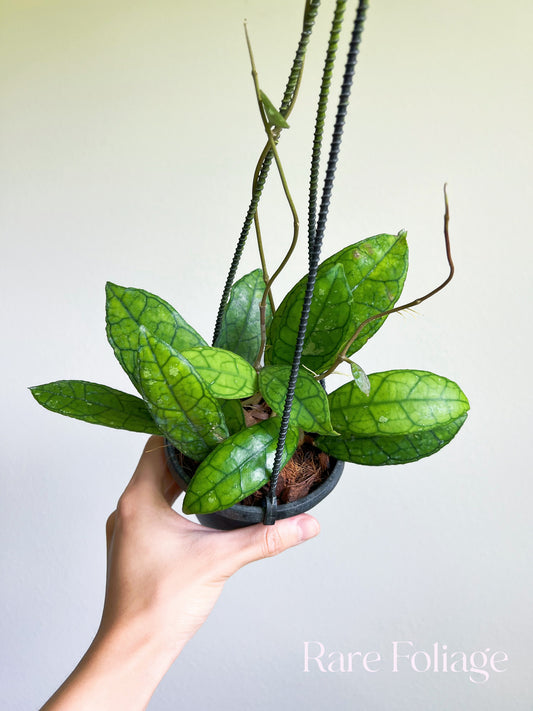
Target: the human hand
(164, 574)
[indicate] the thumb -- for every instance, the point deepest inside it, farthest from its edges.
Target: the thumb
(245, 545)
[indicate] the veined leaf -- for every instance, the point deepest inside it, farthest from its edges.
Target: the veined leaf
(96, 403)
(400, 402)
(237, 467)
(375, 269)
(273, 115)
(178, 398)
(233, 414)
(127, 309)
(310, 409)
(374, 272)
(240, 331)
(331, 321)
(227, 375)
(391, 449)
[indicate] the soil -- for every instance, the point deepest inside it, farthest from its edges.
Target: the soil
(305, 471)
(307, 468)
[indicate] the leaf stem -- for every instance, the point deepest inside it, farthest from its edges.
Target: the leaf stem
(265, 152)
(295, 219)
(263, 166)
(257, 226)
(344, 353)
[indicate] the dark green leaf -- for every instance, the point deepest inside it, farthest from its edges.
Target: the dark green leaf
(233, 414)
(240, 331)
(331, 322)
(400, 402)
(178, 398)
(237, 467)
(227, 375)
(390, 449)
(128, 309)
(310, 409)
(273, 115)
(95, 403)
(375, 269)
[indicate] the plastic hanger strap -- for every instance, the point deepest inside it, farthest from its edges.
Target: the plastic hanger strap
(315, 244)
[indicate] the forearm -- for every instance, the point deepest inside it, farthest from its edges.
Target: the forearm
(121, 669)
(164, 575)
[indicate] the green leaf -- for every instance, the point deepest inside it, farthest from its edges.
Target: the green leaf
(374, 272)
(360, 378)
(237, 467)
(330, 322)
(310, 409)
(240, 331)
(178, 398)
(96, 403)
(273, 115)
(233, 414)
(375, 269)
(128, 309)
(227, 375)
(400, 402)
(391, 449)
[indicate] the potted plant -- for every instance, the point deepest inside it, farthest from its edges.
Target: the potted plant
(245, 417)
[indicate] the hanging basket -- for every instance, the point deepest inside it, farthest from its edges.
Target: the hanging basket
(206, 399)
(242, 515)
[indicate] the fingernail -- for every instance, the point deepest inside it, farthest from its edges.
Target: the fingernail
(308, 528)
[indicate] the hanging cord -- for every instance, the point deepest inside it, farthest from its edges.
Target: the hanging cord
(311, 10)
(320, 120)
(315, 239)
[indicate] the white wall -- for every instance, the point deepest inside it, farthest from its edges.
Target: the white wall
(129, 134)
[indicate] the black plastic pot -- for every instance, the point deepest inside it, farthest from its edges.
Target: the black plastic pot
(239, 515)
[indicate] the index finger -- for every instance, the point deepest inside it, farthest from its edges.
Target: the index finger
(152, 476)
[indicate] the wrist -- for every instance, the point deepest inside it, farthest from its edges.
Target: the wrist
(146, 634)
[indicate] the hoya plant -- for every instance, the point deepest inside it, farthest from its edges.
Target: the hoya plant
(222, 406)
(196, 395)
